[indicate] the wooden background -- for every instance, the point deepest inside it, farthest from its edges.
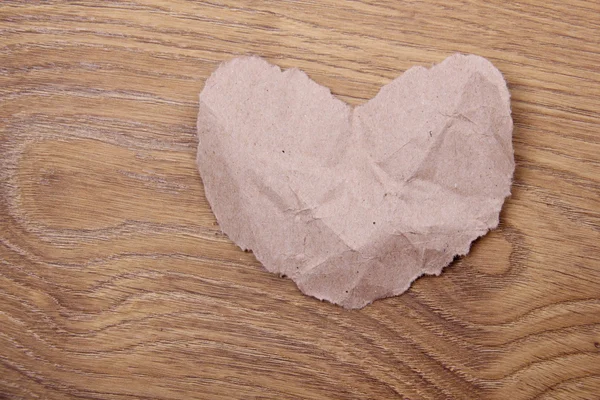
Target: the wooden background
(115, 282)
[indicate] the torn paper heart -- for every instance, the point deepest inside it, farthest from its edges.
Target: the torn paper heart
(354, 203)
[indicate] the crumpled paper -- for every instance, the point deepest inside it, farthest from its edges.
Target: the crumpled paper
(355, 203)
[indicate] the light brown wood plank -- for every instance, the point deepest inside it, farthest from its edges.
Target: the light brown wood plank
(116, 283)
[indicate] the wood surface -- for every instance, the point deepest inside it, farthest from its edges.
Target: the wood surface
(116, 283)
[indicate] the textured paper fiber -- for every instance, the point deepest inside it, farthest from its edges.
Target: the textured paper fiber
(354, 203)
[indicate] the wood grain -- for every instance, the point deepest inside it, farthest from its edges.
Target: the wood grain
(116, 283)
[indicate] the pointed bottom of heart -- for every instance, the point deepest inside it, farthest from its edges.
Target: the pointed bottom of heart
(355, 203)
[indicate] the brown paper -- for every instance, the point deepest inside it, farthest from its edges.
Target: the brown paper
(354, 204)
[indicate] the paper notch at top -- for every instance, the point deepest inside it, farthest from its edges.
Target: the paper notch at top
(355, 203)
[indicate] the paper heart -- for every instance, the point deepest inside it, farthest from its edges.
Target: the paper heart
(354, 203)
